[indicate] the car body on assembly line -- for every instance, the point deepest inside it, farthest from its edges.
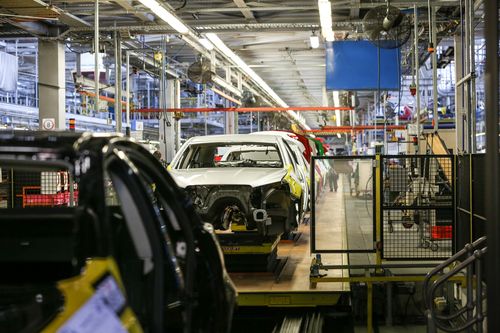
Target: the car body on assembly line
(240, 180)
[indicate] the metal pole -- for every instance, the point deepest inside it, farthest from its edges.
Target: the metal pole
(118, 83)
(388, 315)
(466, 58)
(458, 95)
(479, 295)
(163, 97)
(369, 307)
(472, 82)
(177, 122)
(470, 285)
(71, 190)
(258, 121)
(385, 129)
(492, 164)
(96, 54)
(78, 63)
(434, 71)
(417, 75)
(375, 116)
(35, 104)
(206, 123)
(431, 23)
(163, 71)
(127, 110)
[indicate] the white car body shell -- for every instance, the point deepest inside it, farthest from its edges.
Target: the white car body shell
(231, 176)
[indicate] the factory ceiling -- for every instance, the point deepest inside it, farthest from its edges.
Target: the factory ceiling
(272, 37)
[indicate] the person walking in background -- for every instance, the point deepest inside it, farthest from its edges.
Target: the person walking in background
(158, 156)
(333, 178)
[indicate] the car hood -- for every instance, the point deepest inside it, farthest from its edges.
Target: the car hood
(254, 177)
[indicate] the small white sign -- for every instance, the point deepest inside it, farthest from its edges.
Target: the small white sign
(139, 126)
(95, 316)
(413, 129)
(48, 124)
(100, 314)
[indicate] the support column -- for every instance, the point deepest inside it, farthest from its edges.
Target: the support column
(51, 82)
(118, 82)
(230, 122)
(168, 127)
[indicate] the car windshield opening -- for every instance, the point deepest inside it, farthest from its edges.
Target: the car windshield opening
(222, 155)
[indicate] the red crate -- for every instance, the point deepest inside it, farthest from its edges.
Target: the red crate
(441, 232)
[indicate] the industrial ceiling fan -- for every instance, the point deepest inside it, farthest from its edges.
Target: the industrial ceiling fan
(387, 27)
(200, 71)
(249, 100)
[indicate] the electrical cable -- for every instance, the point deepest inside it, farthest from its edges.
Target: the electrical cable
(72, 50)
(184, 3)
(366, 197)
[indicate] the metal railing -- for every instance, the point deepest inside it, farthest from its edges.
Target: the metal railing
(470, 316)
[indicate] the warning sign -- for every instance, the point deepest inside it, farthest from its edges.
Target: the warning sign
(48, 124)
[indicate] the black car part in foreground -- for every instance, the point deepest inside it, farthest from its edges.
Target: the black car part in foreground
(77, 208)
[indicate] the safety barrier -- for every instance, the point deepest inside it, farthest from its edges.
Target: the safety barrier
(470, 200)
(406, 205)
(417, 207)
(43, 187)
(354, 176)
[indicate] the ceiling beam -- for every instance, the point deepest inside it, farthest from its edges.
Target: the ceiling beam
(71, 20)
(355, 9)
(34, 28)
(256, 9)
(335, 6)
(127, 5)
(245, 10)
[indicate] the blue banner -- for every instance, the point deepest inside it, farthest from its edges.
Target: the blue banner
(360, 65)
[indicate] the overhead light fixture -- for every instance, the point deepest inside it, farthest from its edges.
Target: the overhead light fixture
(222, 47)
(325, 17)
(206, 44)
(169, 18)
(314, 41)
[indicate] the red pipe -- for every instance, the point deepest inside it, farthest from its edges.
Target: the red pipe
(102, 98)
(255, 109)
(327, 130)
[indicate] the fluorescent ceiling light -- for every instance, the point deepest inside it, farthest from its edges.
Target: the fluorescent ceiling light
(219, 44)
(206, 44)
(314, 41)
(165, 15)
(325, 17)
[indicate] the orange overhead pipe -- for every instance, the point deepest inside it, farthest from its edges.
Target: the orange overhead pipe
(102, 98)
(254, 109)
(365, 127)
(328, 130)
